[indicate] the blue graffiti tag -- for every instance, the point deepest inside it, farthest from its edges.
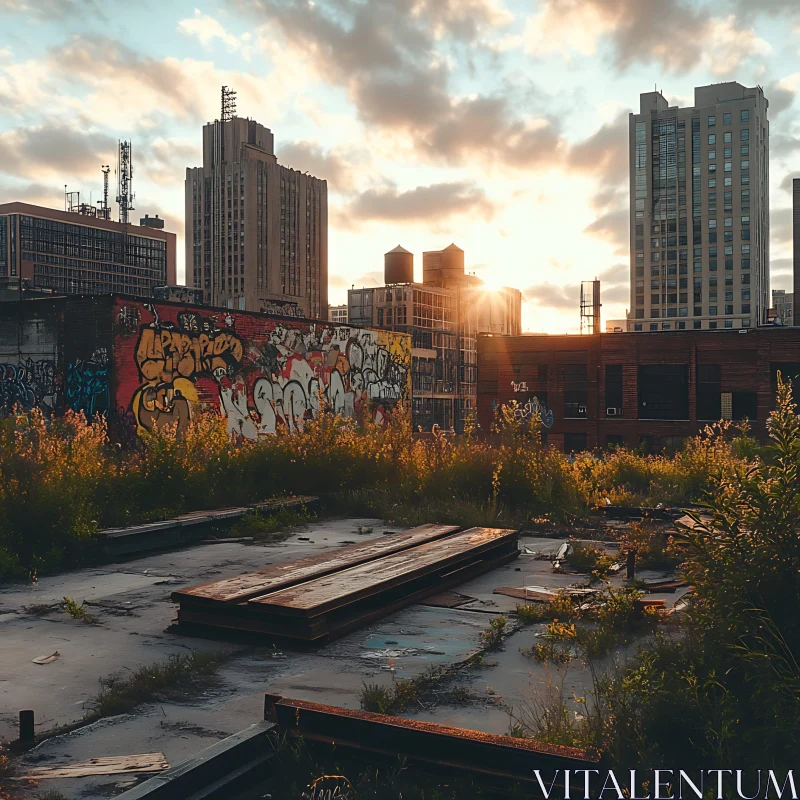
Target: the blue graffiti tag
(87, 387)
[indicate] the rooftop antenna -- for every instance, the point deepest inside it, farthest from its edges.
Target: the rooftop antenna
(124, 179)
(72, 201)
(590, 306)
(228, 104)
(105, 211)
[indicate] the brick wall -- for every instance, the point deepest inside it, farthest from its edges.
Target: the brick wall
(525, 368)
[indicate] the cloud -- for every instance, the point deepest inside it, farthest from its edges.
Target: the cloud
(613, 227)
(486, 127)
(327, 165)
(108, 80)
(164, 161)
(549, 295)
(369, 279)
(39, 194)
(780, 228)
(780, 98)
(384, 55)
(430, 204)
(50, 9)
(615, 284)
(673, 33)
(54, 149)
(781, 267)
(767, 7)
(605, 152)
(787, 182)
(614, 289)
(207, 30)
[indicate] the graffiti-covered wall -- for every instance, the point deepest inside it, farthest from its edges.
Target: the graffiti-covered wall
(261, 373)
(30, 374)
(54, 354)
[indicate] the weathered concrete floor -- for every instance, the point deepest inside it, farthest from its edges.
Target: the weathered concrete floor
(133, 606)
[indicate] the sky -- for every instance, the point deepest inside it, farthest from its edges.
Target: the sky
(500, 125)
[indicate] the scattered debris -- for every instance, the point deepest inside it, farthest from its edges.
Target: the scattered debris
(228, 540)
(664, 585)
(543, 594)
(46, 659)
(448, 600)
(110, 765)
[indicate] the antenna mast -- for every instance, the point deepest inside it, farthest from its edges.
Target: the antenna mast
(124, 179)
(590, 306)
(228, 104)
(105, 211)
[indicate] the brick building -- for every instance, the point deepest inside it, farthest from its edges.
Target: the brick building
(644, 389)
(443, 314)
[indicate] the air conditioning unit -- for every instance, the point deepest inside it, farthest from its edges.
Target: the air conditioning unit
(581, 409)
(613, 412)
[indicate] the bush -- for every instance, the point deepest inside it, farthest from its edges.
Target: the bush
(728, 689)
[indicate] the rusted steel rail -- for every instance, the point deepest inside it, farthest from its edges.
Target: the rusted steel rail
(499, 758)
(322, 608)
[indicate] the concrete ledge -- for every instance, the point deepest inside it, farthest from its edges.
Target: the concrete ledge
(211, 773)
(186, 528)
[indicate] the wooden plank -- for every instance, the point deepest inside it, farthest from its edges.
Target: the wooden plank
(273, 578)
(346, 586)
(109, 765)
(321, 629)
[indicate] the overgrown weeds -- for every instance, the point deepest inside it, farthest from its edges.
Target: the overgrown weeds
(61, 480)
(270, 526)
(654, 548)
(545, 715)
(588, 557)
(492, 637)
(726, 687)
(404, 693)
(79, 612)
(121, 694)
(300, 769)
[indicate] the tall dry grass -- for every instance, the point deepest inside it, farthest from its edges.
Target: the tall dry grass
(61, 480)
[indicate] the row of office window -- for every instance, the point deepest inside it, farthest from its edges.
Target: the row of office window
(744, 116)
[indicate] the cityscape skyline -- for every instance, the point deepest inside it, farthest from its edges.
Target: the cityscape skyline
(475, 123)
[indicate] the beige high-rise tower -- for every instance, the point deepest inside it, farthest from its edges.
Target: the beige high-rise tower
(699, 210)
(256, 231)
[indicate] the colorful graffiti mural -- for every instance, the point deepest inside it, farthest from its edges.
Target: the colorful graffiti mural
(261, 374)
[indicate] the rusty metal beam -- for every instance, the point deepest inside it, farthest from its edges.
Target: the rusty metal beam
(417, 742)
